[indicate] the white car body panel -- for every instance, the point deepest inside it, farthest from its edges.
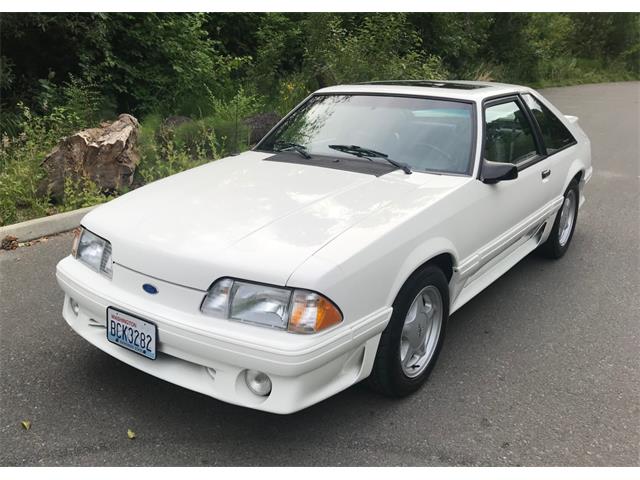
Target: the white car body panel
(353, 237)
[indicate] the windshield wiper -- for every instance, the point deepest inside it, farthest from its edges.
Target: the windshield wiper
(368, 154)
(291, 147)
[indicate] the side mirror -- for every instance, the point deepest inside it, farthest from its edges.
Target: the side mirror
(494, 172)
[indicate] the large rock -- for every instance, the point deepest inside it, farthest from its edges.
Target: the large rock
(106, 155)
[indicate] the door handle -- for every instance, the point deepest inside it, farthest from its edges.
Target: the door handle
(546, 173)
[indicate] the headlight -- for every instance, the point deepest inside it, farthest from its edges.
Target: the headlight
(299, 311)
(93, 251)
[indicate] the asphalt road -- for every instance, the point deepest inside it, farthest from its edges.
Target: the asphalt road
(540, 369)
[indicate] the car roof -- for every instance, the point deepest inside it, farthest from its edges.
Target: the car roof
(456, 89)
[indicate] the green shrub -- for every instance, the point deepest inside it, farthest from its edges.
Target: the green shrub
(171, 159)
(21, 155)
(81, 193)
(382, 47)
(147, 142)
(291, 91)
(20, 169)
(164, 152)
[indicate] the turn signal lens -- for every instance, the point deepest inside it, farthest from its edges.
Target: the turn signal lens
(311, 312)
(75, 308)
(216, 303)
(76, 241)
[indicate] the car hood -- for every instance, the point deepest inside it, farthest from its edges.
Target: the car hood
(243, 217)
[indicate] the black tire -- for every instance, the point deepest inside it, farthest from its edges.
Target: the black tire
(387, 376)
(552, 247)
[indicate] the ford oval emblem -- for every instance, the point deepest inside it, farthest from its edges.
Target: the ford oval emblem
(147, 287)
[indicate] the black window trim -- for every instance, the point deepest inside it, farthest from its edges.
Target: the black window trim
(541, 152)
(474, 123)
(537, 126)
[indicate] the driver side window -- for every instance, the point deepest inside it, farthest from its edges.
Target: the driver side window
(508, 134)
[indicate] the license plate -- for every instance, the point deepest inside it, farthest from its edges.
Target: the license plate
(131, 332)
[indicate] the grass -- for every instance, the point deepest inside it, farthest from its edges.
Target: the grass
(564, 72)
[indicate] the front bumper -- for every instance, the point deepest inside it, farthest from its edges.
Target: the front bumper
(210, 355)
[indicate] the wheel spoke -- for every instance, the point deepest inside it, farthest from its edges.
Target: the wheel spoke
(405, 349)
(427, 305)
(413, 362)
(412, 314)
(411, 328)
(409, 355)
(412, 334)
(422, 349)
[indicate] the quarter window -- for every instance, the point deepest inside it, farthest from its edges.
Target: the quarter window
(554, 134)
(508, 134)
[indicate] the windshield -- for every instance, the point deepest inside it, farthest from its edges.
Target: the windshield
(426, 134)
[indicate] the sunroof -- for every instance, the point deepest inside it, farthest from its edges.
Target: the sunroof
(428, 83)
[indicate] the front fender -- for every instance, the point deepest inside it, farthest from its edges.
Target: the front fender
(420, 255)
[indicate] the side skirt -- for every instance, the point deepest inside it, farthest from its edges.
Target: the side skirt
(498, 266)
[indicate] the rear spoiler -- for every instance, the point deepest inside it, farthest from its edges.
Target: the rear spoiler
(571, 118)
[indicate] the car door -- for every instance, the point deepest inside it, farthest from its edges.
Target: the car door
(557, 142)
(507, 213)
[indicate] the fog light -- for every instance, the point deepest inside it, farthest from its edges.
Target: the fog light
(258, 382)
(74, 306)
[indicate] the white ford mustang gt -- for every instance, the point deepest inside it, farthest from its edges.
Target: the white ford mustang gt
(336, 249)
